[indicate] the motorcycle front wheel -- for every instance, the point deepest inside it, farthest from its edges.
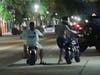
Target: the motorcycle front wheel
(77, 56)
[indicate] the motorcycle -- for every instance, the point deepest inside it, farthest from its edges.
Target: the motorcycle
(72, 48)
(72, 51)
(31, 55)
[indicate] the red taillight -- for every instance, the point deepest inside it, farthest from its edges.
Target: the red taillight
(77, 26)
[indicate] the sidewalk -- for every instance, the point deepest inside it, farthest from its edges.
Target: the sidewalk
(7, 33)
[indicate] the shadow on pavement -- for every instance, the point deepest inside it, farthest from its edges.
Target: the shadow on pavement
(24, 64)
(91, 52)
(52, 65)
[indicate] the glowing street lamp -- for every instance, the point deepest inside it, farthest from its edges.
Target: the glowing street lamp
(56, 14)
(36, 7)
(47, 12)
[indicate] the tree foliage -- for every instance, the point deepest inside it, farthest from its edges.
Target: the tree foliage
(23, 8)
(4, 13)
(63, 7)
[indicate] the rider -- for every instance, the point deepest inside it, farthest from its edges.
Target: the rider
(31, 37)
(64, 33)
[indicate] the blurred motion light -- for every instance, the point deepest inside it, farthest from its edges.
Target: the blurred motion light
(77, 18)
(72, 17)
(86, 21)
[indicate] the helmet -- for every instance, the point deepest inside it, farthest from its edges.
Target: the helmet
(64, 20)
(31, 25)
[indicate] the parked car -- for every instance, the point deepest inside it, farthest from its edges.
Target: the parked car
(49, 29)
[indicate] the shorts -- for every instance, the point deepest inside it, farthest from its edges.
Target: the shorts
(38, 45)
(61, 42)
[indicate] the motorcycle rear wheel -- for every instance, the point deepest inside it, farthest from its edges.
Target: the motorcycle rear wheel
(30, 61)
(32, 58)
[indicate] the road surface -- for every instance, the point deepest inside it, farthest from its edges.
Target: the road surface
(16, 65)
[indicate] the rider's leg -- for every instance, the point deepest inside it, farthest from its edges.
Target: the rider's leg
(60, 55)
(41, 55)
(60, 41)
(25, 51)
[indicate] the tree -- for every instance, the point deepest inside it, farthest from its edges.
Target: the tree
(22, 9)
(63, 7)
(4, 13)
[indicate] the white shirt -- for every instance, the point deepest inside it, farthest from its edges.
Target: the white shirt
(31, 37)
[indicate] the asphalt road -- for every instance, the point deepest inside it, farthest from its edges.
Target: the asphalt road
(10, 50)
(14, 64)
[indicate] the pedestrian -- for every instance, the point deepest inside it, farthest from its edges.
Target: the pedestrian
(31, 37)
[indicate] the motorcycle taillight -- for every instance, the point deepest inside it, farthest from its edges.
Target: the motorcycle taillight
(78, 26)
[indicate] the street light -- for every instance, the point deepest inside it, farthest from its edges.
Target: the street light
(36, 7)
(56, 14)
(47, 12)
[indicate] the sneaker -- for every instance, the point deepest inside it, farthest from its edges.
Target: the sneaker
(60, 61)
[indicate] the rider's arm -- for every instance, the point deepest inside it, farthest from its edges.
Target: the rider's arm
(39, 33)
(73, 31)
(23, 34)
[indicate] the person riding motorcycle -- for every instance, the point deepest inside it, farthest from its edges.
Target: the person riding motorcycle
(64, 34)
(31, 37)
